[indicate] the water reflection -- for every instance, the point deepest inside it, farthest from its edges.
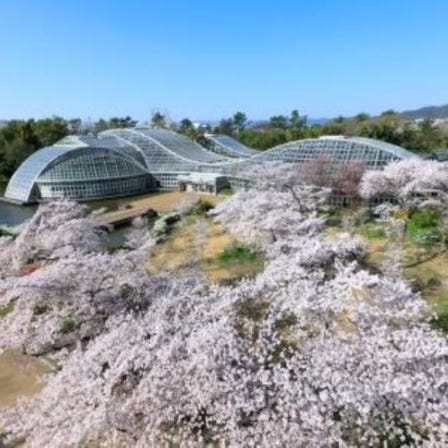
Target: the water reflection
(13, 215)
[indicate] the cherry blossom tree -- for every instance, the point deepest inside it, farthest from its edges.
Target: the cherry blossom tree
(314, 351)
(56, 230)
(406, 181)
(411, 185)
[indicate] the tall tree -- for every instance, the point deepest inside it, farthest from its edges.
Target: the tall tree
(225, 127)
(122, 122)
(239, 121)
(279, 122)
(50, 130)
(158, 120)
(296, 120)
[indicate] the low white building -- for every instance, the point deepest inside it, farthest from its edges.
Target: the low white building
(211, 183)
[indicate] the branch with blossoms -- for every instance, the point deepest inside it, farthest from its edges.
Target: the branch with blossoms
(412, 185)
(313, 351)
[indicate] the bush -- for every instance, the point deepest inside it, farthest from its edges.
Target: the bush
(424, 219)
(423, 226)
(41, 308)
(68, 325)
(237, 254)
(372, 230)
(163, 225)
(202, 208)
(226, 192)
(440, 322)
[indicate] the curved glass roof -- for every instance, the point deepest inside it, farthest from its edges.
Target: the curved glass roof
(398, 151)
(21, 184)
(119, 155)
(105, 141)
(373, 153)
(229, 146)
(84, 164)
(166, 150)
(70, 160)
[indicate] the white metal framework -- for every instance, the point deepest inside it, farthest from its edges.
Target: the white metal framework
(373, 153)
(122, 162)
(228, 146)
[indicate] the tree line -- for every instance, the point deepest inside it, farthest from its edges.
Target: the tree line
(20, 138)
(390, 126)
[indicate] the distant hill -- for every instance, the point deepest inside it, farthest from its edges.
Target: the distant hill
(429, 112)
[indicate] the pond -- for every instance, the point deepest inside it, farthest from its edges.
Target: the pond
(13, 215)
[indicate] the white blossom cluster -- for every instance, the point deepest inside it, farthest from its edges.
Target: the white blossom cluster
(58, 229)
(405, 179)
(270, 216)
(314, 351)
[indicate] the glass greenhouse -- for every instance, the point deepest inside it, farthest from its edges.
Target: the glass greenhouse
(123, 162)
(373, 153)
(76, 170)
(229, 147)
(167, 151)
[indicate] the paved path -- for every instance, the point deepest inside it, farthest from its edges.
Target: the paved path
(161, 203)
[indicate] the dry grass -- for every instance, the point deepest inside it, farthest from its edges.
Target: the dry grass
(19, 376)
(182, 248)
(165, 202)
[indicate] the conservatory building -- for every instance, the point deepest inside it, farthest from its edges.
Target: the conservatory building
(79, 168)
(373, 154)
(229, 147)
(124, 162)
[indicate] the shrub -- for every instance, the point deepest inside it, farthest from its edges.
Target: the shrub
(372, 230)
(423, 226)
(226, 192)
(237, 254)
(163, 225)
(68, 325)
(202, 208)
(41, 308)
(441, 322)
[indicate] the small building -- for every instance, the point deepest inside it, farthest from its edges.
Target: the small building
(211, 183)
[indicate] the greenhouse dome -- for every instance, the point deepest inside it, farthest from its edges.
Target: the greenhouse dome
(373, 154)
(229, 147)
(121, 162)
(73, 168)
(168, 154)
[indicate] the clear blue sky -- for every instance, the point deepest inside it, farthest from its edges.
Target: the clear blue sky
(207, 59)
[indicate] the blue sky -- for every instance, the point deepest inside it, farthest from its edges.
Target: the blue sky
(207, 59)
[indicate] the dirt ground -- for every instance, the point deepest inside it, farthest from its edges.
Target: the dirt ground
(184, 248)
(165, 202)
(19, 376)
